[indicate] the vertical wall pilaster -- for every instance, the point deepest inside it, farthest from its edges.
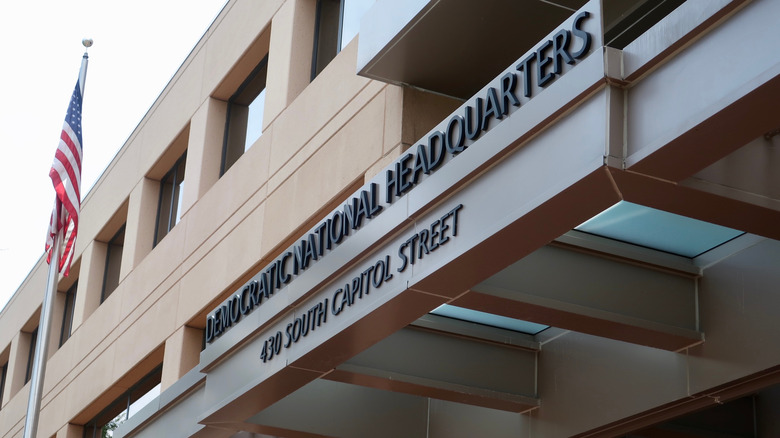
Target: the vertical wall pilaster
(70, 431)
(289, 59)
(93, 261)
(17, 364)
(139, 230)
(204, 151)
(182, 353)
(55, 328)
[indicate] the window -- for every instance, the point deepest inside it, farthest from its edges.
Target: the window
(3, 371)
(113, 264)
(125, 406)
(169, 205)
(31, 357)
(244, 123)
(67, 315)
(337, 22)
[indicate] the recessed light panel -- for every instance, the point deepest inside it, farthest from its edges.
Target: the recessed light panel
(489, 319)
(659, 230)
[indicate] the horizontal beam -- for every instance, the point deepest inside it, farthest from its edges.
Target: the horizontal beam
(696, 108)
(443, 366)
(593, 294)
(719, 209)
(434, 389)
(326, 408)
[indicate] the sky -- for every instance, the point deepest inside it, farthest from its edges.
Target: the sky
(138, 46)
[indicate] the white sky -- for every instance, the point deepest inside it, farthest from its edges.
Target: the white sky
(138, 46)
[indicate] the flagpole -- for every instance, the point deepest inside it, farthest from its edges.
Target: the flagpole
(87, 42)
(42, 344)
(42, 347)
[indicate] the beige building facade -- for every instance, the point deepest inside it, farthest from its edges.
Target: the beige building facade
(418, 218)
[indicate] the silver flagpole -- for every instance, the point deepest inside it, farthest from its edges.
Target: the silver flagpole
(42, 344)
(87, 42)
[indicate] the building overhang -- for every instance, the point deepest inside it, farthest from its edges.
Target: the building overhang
(452, 47)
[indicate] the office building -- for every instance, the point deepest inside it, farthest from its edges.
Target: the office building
(419, 218)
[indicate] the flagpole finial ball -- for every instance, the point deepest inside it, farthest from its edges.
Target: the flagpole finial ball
(87, 42)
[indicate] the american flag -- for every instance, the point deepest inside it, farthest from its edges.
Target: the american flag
(65, 174)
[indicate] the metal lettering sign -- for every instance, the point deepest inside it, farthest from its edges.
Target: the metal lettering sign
(518, 84)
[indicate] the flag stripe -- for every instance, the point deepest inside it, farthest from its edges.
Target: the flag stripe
(69, 156)
(73, 149)
(65, 175)
(65, 191)
(60, 176)
(67, 136)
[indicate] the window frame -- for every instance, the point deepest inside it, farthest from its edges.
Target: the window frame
(344, 18)
(125, 401)
(176, 186)
(315, 71)
(3, 374)
(260, 70)
(31, 355)
(109, 262)
(68, 312)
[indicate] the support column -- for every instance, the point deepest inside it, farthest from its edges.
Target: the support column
(70, 431)
(93, 261)
(139, 230)
(289, 60)
(58, 311)
(5, 360)
(17, 364)
(182, 353)
(204, 150)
